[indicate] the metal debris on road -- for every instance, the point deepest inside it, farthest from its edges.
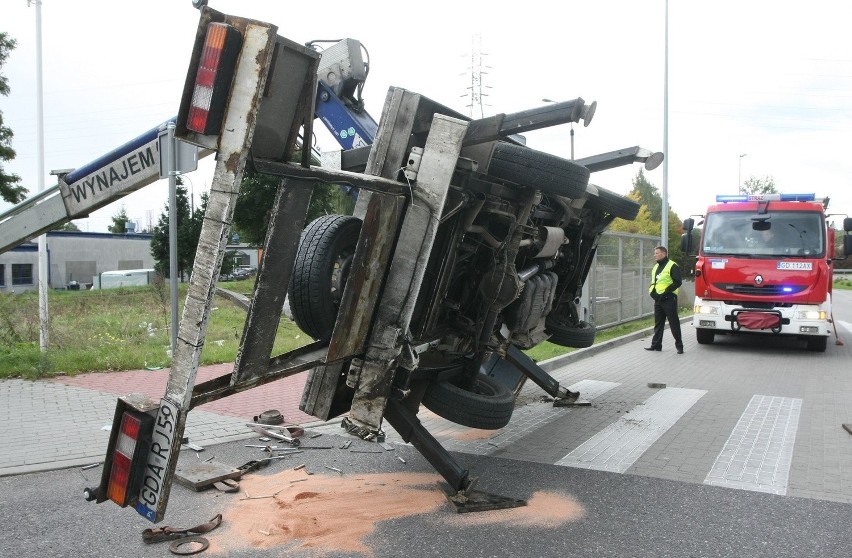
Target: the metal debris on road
(334, 469)
(400, 458)
(656, 385)
(87, 467)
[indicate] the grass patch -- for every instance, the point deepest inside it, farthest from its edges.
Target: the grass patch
(845, 284)
(548, 350)
(115, 329)
(128, 329)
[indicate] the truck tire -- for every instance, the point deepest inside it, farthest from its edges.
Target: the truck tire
(704, 336)
(578, 337)
(614, 204)
(538, 170)
(817, 344)
(320, 272)
(488, 407)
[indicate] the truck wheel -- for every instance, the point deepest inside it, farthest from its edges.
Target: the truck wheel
(578, 337)
(817, 344)
(538, 170)
(704, 336)
(489, 406)
(320, 272)
(614, 204)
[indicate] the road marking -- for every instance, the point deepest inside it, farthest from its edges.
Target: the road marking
(619, 445)
(846, 325)
(527, 419)
(759, 451)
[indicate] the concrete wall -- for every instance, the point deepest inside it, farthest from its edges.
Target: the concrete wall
(78, 256)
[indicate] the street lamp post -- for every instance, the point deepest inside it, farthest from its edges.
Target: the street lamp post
(740, 175)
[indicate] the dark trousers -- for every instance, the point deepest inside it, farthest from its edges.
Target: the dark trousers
(666, 310)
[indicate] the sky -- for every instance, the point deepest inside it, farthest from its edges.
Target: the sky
(756, 88)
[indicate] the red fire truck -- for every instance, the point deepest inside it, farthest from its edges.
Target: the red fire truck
(765, 266)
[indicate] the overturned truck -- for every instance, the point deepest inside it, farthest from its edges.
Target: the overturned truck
(465, 248)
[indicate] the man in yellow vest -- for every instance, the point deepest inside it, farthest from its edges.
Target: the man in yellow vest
(665, 281)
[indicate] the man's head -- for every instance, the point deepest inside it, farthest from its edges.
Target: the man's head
(660, 253)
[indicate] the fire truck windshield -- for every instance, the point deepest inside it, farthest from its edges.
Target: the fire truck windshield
(774, 234)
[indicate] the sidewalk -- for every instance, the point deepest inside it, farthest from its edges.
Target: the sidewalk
(65, 421)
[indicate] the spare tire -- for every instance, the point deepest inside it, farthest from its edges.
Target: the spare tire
(489, 406)
(325, 254)
(578, 336)
(538, 170)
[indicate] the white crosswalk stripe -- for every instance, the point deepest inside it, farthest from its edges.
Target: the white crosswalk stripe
(758, 454)
(619, 445)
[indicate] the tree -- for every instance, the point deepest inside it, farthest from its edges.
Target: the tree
(68, 227)
(649, 219)
(186, 246)
(10, 190)
(765, 185)
(119, 222)
(257, 195)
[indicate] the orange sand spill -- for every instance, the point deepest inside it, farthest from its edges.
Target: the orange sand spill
(322, 512)
(332, 513)
(544, 509)
(475, 434)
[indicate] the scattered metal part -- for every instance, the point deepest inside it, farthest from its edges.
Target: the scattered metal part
(346, 444)
(209, 459)
(193, 545)
(277, 436)
(273, 416)
(848, 428)
(160, 534)
(387, 446)
(194, 447)
(265, 439)
(496, 445)
(315, 447)
(316, 435)
(87, 467)
(252, 465)
(570, 403)
(297, 467)
(365, 451)
(334, 469)
(262, 532)
(298, 480)
(656, 385)
(400, 458)
(227, 485)
(293, 430)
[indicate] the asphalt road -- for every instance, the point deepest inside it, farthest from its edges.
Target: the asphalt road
(642, 471)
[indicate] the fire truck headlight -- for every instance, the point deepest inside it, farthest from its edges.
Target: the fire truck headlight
(811, 315)
(706, 310)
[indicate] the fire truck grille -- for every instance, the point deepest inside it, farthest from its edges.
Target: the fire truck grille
(765, 290)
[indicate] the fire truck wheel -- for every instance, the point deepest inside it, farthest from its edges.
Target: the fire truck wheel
(320, 272)
(704, 336)
(488, 407)
(538, 170)
(817, 344)
(614, 204)
(579, 336)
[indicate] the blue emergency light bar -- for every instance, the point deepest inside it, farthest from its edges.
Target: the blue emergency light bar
(765, 197)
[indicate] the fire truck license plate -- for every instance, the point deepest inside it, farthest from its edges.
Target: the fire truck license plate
(798, 266)
(158, 460)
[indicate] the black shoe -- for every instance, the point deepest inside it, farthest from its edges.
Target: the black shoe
(654, 349)
(680, 351)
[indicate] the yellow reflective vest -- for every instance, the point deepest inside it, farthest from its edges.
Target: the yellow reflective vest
(661, 283)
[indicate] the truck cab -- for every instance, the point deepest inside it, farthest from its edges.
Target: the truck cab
(765, 266)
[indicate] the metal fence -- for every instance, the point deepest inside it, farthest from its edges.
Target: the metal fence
(616, 290)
